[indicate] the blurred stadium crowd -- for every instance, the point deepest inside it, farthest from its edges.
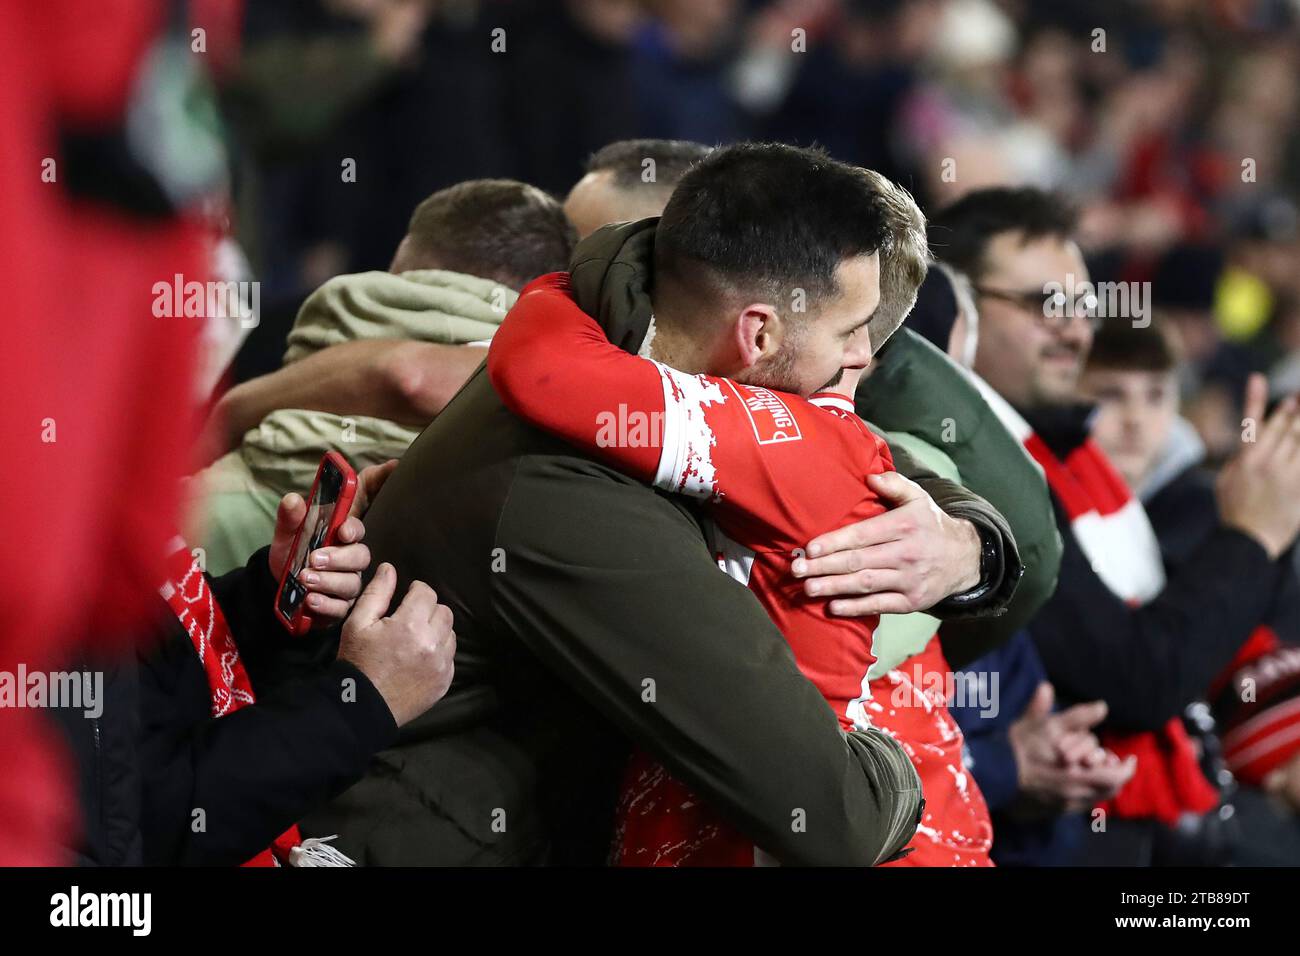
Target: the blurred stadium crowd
(1174, 124)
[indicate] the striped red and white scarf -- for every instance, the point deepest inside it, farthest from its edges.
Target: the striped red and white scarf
(1114, 533)
(190, 597)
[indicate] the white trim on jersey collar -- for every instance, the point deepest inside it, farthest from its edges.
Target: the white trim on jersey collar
(831, 400)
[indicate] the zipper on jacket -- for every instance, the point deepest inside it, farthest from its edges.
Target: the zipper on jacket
(98, 761)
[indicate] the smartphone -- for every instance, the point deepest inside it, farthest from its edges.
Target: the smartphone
(327, 508)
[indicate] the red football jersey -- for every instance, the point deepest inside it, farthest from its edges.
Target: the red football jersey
(773, 470)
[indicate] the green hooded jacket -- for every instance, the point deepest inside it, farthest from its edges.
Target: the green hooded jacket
(238, 494)
(926, 402)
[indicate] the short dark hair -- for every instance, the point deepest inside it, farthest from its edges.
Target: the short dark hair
(625, 160)
(766, 218)
(1122, 347)
(961, 232)
(496, 229)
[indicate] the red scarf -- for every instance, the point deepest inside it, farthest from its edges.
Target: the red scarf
(188, 594)
(1113, 530)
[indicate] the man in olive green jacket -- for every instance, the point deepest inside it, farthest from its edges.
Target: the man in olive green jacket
(590, 613)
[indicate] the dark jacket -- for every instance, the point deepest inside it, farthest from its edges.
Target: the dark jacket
(589, 613)
(1179, 499)
(156, 757)
(1148, 663)
(104, 750)
(1265, 676)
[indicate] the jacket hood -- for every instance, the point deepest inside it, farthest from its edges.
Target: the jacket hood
(1183, 449)
(428, 305)
(612, 276)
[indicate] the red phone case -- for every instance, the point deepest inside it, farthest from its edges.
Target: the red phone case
(300, 623)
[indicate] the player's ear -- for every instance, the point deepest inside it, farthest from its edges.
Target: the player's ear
(757, 332)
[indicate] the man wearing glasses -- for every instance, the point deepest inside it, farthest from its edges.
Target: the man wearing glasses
(1117, 630)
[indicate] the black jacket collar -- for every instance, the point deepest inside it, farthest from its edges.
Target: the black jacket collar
(1062, 428)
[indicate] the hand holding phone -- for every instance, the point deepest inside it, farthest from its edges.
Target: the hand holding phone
(328, 506)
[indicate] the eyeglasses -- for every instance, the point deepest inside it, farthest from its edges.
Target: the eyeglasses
(1053, 309)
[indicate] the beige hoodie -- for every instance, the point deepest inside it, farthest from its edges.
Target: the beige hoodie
(238, 494)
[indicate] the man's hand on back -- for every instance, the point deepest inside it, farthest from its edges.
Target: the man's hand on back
(908, 559)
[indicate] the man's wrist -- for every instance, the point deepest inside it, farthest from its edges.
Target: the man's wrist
(972, 556)
(986, 559)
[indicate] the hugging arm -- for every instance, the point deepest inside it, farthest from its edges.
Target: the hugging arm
(552, 366)
(685, 662)
(695, 435)
(395, 379)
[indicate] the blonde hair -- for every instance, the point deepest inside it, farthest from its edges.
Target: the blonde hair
(903, 263)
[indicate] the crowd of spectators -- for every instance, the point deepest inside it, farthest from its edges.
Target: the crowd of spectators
(1172, 123)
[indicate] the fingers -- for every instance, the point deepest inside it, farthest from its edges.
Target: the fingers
(1082, 749)
(856, 583)
(351, 531)
(1275, 428)
(912, 507)
(1100, 783)
(1288, 445)
(1256, 397)
(1099, 756)
(833, 566)
(1083, 716)
(1083, 788)
(374, 600)
(291, 512)
(1108, 777)
(1087, 786)
(332, 584)
(326, 611)
(888, 602)
(289, 516)
(895, 488)
(1043, 700)
(419, 604)
(442, 621)
(883, 556)
(1128, 767)
(879, 529)
(369, 482)
(351, 557)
